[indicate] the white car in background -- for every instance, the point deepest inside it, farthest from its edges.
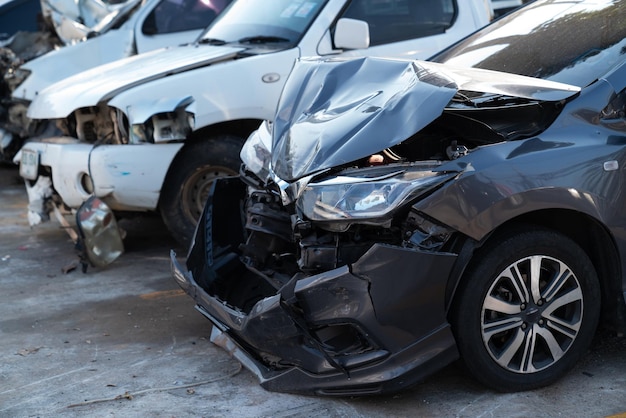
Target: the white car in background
(501, 7)
(107, 33)
(152, 132)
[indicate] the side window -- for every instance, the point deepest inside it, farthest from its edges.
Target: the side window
(171, 16)
(400, 20)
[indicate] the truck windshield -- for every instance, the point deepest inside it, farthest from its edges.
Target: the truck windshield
(263, 21)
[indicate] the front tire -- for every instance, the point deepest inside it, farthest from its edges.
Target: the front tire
(527, 310)
(189, 181)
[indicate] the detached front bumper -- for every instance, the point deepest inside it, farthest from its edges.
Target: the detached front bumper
(376, 326)
(125, 177)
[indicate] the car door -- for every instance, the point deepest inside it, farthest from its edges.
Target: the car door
(415, 29)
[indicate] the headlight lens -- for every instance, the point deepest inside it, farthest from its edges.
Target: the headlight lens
(255, 152)
(15, 77)
(357, 199)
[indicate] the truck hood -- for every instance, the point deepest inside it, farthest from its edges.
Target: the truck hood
(104, 82)
(337, 111)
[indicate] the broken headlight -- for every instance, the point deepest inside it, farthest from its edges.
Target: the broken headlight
(15, 77)
(358, 198)
(256, 154)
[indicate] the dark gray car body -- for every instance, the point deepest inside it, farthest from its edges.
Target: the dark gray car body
(362, 306)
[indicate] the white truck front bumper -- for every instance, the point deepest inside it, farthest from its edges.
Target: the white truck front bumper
(125, 177)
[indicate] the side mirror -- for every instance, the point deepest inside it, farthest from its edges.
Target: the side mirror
(99, 238)
(352, 34)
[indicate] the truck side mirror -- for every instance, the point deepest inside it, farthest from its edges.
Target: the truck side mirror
(352, 34)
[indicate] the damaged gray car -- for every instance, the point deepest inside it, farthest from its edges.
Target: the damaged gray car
(399, 215)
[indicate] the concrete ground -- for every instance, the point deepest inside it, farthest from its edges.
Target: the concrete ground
(125, 342)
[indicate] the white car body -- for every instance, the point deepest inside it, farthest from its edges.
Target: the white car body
(110, 45)
(218, 87)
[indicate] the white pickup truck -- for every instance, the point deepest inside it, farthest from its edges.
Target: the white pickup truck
(151, 132)
(135, 28)
(123, 30)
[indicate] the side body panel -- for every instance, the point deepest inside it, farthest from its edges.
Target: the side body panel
(125, 179)
(229, 90)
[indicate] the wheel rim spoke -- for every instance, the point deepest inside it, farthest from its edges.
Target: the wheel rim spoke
(498, 305)
(526, 365)
(564, 328)
(561, 279)
(553, 345)
(492, 328)
(518, 284)
(535, 275)
(572, 296)
(507, 355)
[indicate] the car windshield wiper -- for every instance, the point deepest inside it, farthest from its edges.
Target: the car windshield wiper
(262, 39)
(212, 41)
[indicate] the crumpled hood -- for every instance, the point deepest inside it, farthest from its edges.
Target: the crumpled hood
(336, 111)
(103, 82)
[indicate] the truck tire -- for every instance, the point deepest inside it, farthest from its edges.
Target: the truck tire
(189, 181)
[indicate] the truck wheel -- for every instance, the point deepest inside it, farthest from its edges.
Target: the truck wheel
(527, 310)
(189, 181)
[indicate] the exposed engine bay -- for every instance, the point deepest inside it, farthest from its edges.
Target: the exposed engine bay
(104, 124)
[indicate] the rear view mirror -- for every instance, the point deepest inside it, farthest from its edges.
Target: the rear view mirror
(99, 238)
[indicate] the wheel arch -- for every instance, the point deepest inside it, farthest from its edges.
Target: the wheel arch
(595, 240)
(241, 127)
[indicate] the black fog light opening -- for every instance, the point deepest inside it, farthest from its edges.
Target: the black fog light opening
(86, 183)
(343, 340)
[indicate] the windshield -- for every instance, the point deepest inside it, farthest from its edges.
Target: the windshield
(260, 21)
(570, 42)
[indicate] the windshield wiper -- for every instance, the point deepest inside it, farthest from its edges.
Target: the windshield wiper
(262, 39)
(212, 41)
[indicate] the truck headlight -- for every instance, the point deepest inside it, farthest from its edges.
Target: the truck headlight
(15, 77)
(347, 198)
